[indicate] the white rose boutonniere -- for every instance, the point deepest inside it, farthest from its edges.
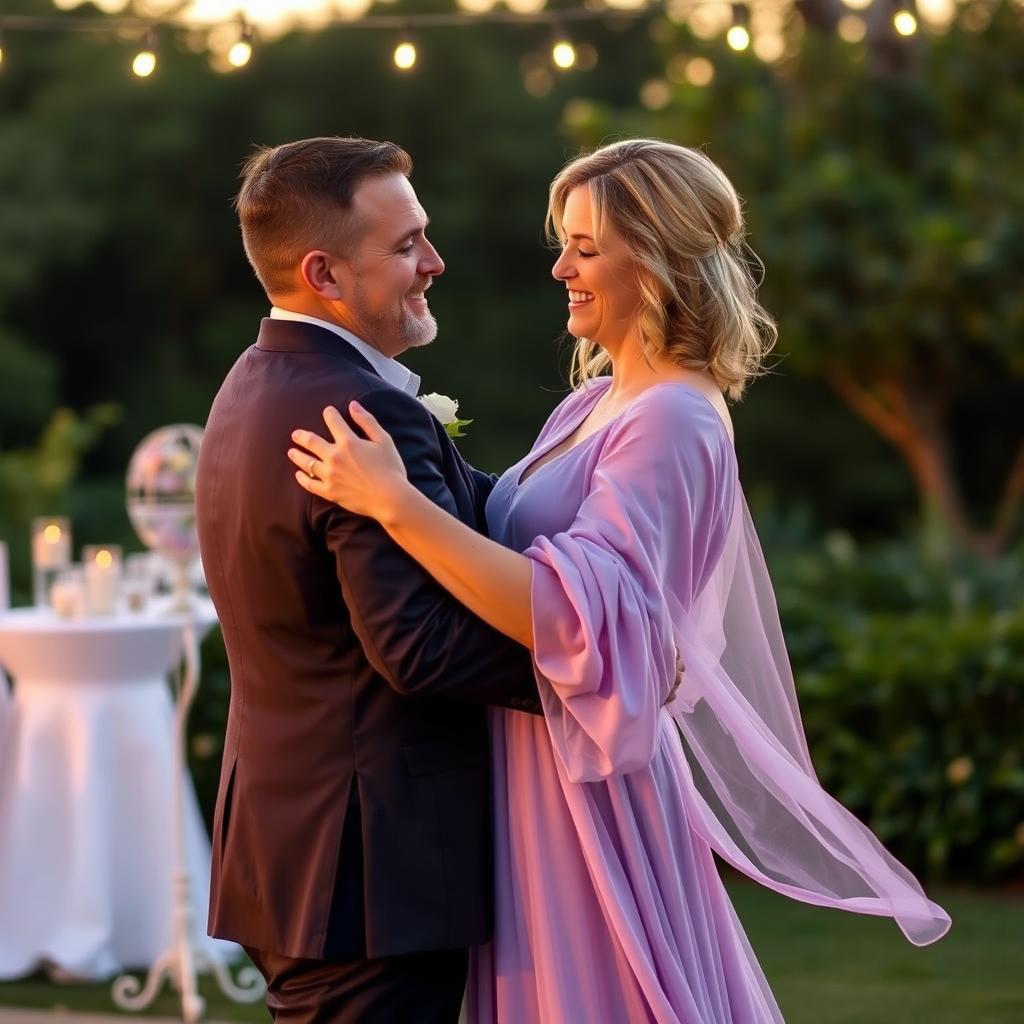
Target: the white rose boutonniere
(446, 411)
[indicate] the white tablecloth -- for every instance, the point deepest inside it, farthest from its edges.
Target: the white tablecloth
(86, 824)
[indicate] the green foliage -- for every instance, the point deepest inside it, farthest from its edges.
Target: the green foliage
(888, 209)
(911, 684)
(37, 480)
(117, 197)
(27, 387)
(121, 271)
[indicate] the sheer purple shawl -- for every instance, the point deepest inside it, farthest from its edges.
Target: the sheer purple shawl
(660, 568)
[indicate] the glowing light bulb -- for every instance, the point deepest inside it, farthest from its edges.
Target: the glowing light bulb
(405, 56)
(738, 37)
(144, 64)
(240, 53)
(563, 53)
(905, 22)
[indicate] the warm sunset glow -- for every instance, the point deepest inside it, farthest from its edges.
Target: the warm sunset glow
(771, 28)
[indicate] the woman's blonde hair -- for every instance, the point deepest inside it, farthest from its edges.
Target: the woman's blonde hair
(683, 224)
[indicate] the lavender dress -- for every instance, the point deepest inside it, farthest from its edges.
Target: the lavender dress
(609, 906)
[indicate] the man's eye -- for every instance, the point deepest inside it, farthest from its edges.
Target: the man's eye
(406, 249)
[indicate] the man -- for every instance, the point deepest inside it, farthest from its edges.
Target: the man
(351, 845)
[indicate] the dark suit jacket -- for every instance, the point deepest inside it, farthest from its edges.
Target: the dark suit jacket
(353, 814)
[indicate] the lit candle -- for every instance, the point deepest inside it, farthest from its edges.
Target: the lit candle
(51, 552)
(51, 542)
(102, 564)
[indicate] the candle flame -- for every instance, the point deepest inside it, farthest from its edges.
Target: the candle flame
(52, 534)
(104, 559)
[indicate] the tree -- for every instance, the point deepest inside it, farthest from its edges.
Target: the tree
(887, 202)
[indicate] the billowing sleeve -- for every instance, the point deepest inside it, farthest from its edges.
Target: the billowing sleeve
(606, 591)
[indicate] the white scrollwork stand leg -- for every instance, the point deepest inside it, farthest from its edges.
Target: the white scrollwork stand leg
(185, 958)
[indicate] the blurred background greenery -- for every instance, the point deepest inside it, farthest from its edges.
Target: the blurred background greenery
(883, 456)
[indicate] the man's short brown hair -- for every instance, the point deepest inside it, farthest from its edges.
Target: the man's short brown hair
(298, 197)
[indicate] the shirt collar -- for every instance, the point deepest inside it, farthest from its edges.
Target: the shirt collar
(391, 370)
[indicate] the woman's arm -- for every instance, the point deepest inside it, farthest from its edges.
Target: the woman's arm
(368, 477)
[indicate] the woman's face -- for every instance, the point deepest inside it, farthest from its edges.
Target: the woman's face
(604, 297)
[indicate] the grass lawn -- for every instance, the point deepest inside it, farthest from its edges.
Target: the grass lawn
(825, 967)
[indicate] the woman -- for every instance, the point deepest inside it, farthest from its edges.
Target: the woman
(623, 552)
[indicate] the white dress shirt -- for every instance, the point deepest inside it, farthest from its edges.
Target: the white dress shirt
(391, 370)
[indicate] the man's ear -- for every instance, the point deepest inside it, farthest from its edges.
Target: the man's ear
(317, 273)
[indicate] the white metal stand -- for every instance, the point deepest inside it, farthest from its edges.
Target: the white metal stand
(185, 958)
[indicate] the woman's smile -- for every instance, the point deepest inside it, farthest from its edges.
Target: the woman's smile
(578, 299)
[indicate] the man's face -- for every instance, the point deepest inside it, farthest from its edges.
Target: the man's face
(390, 267)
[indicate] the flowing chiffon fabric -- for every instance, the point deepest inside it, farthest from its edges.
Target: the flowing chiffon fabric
(609, 906)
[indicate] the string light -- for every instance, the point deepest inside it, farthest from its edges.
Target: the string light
(144, 63)
(241, 52)
(738, 36)
(405, 55)
(742, 23)
(563, 53)
(905, 22)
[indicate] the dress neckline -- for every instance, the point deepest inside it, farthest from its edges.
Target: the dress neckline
(577, 421)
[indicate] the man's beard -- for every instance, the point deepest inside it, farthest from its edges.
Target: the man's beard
(382, 330)
(417, 331)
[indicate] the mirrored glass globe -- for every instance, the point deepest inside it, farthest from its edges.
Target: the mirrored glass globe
(161, 493)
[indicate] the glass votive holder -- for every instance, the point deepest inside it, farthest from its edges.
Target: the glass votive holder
(140, 579)
(51, 553)
(101, 564)
(67, 594)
